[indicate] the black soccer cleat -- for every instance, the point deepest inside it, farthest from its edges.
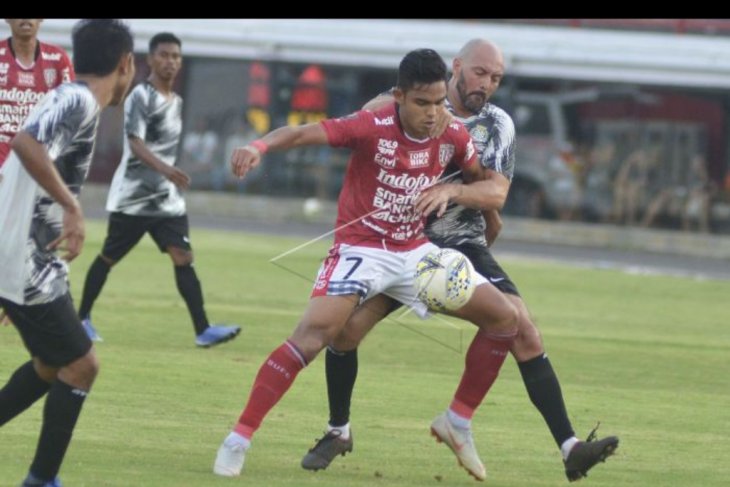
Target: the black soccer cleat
(586, 454)
(325, 450)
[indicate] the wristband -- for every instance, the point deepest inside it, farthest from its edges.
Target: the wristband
(260, 146)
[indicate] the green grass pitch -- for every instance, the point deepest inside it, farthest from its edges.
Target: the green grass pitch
(648, 356)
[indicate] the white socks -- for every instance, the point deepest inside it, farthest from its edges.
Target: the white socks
(458, 421)
(567, 446)
(344, 430)
(235, 439)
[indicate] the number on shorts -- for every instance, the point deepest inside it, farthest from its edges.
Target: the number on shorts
(358, 261)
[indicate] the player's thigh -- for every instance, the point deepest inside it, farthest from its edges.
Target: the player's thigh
(364, 319)
(489, 309)
(172, 232)
(123, 233)
(51, 332)
(323, 319)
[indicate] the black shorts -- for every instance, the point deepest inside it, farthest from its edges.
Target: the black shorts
(485, 264)
(125, 231)
(51, 331)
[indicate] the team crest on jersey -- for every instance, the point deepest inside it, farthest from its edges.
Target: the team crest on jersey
(4, 68)
(446, 153)
(480, 133)
(26, 79)
(50, 76)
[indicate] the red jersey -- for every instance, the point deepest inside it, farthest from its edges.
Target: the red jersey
(386, 173)
(21, 88)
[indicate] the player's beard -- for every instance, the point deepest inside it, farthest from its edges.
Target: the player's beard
(473, 101)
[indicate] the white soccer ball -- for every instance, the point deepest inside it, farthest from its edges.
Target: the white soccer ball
(444, 280)
(311, 207)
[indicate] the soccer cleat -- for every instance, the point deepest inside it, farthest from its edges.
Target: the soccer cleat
(217, 334)
(585, 454)
(325, 450)
(461, 443)
(33, 481)
(229, 459)
(91, 331)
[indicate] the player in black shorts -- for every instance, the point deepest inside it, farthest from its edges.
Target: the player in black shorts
(478, 70)
(55, 147)
(145, 196)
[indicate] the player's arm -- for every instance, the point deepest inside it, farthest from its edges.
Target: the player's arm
(494, 225)
(484, 189)
(246, 158)
(380, 101)
(39, 165)
(178, 177)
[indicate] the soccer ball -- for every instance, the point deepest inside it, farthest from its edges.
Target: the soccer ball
(444, 280)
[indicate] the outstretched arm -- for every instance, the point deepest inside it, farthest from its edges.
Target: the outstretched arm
(246, 158)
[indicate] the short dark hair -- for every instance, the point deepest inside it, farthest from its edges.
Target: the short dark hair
(99, 44)
(163, 38)
(421, 67)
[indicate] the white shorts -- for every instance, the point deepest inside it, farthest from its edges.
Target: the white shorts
(369, 271)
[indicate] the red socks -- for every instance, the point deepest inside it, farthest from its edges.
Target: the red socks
(275, 377)
(484, 358)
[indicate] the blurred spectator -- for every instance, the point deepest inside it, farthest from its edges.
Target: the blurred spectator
(691, 199)
(596, 180)
(199, 149)
(700, 193)
(636, 179)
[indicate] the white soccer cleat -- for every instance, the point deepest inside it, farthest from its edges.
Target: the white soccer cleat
(229, 459)
(461, 443)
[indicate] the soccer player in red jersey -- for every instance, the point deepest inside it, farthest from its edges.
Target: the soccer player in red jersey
(389, 187)
(477, 72)
(28, 69)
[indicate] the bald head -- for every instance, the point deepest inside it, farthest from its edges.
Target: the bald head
(478, 70)
(480, 48)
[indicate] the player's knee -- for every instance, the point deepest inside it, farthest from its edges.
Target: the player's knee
(346, 341)
(180, 257)
(311, 337)
(89, 366)
(506, 318)
(81, 372)
(528, 343)
(45, 372)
